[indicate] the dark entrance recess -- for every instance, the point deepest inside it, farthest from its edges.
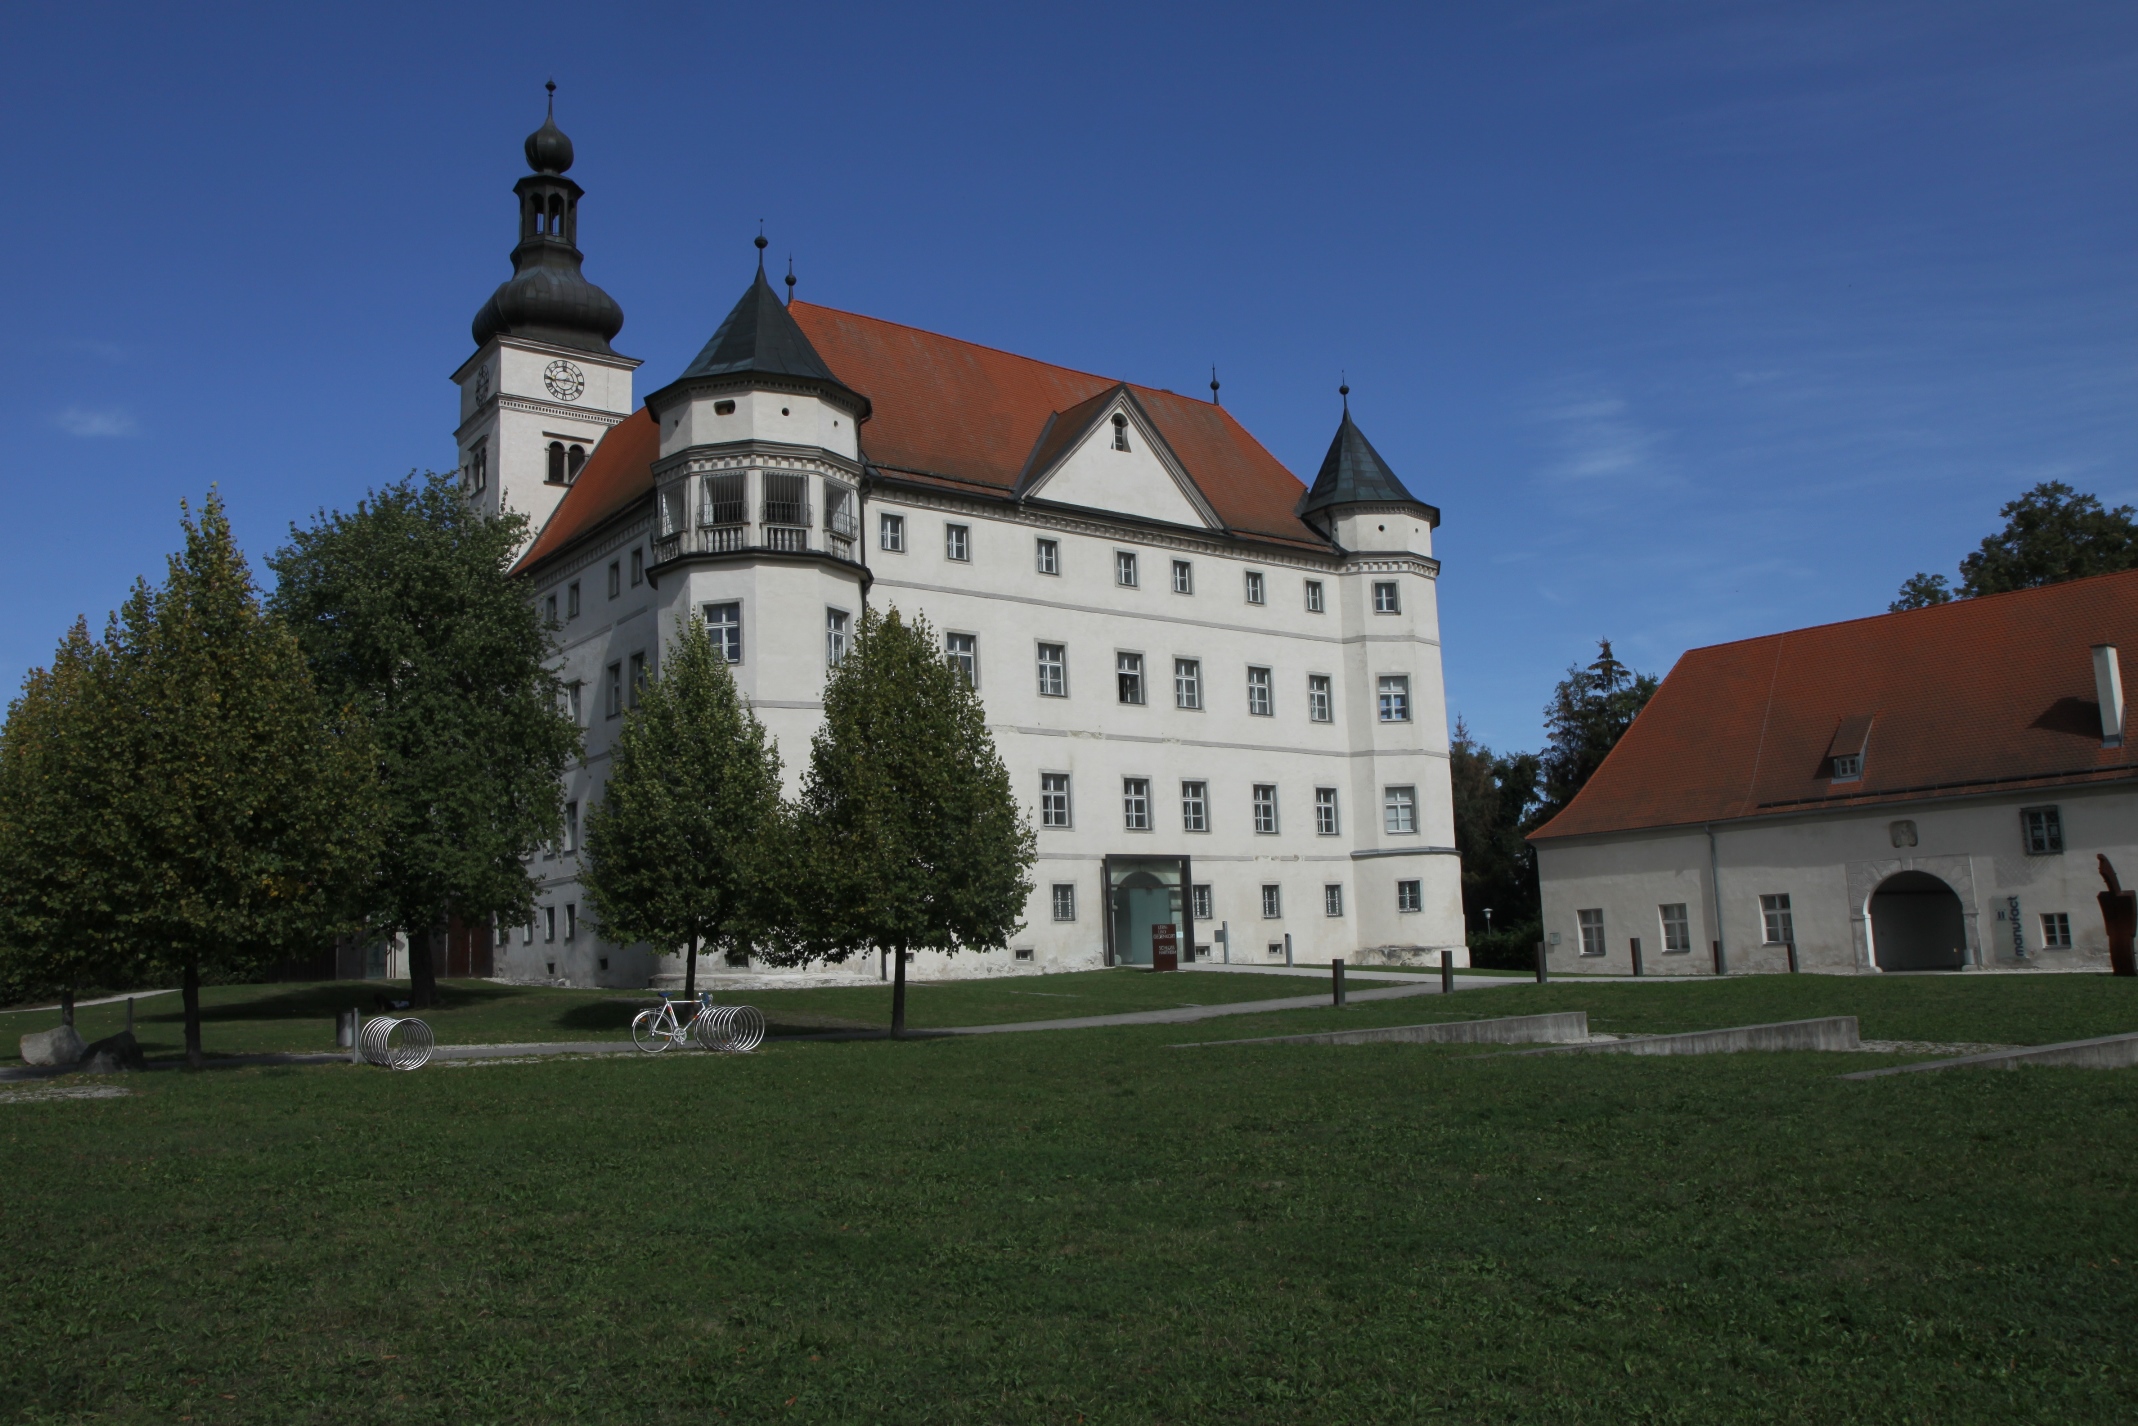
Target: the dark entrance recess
(1917, 924)
(1142, 892)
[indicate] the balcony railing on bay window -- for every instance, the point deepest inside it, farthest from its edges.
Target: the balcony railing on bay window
(720, 518)
(841, 525)
(786, 511)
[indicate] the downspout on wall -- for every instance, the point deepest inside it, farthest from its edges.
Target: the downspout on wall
(1714, 882)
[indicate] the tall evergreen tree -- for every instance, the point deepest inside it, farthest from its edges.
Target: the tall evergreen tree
(1590, 711)
(2051, 533)
(688, 848)
(406, 609)
(253, 813)
(1495, 795)
(916, 841)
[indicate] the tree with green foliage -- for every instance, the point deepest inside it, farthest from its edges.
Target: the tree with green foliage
(65, 833)
(1591, 709)
(1495, 796)
(914, 838)
(688, 849)
(2051, 533)
(407, 610)
(253, 818)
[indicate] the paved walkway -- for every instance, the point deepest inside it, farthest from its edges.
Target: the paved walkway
(102, 1000)
(1187, 1014)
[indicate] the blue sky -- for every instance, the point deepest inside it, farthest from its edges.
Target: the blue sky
(1696, 320)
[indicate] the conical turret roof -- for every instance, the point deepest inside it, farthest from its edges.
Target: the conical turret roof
(760, 338)
(1353, 473)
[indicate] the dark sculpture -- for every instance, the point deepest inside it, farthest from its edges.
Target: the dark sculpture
(2119, 913)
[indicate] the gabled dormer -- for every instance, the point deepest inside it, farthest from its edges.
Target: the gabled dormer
(1107, 454)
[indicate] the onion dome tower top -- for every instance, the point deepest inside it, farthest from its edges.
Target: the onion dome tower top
(547, 298)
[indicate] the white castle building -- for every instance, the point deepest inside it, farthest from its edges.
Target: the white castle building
(1217, 690)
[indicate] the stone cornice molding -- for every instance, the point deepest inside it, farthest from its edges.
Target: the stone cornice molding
(530, 406)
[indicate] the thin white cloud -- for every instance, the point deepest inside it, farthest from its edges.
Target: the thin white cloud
(106, 351)
(93, 423)
(1597, 438)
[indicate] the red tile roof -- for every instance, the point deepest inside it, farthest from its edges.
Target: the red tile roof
(964, 417)
(1978, 695)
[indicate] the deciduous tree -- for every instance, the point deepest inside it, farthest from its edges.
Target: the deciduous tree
(1495, 795)
(688, 848)
(2051, 533)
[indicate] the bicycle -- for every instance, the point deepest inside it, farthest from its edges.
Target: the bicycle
(737, 1029)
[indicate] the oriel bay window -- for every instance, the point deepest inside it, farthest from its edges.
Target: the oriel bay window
(722, 509)
(786, 510)
(1054, 799)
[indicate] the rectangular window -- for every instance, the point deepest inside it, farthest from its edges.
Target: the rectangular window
(834, 637)
(1266, 808)
(1195, 807)
(1125, 568)
(1053, 671)
(1187, 683)
(638, 568)
(1183, 577)
(1318, 698)
(1848, 767)
(1054, 799)
(1409, 896)
(1259, 702)
(723, 500)
(1202, 903)
(1128, 677)
(637, 682)
(1314, 605)
(891, 533)
(1136, 804)
(1677, 929)
(1254, 586)
(786, 496)
(571, 828)
(549, 923)
(1395, 699)
(724, 623)
(1332, 899)
(616, 579)
(571, 920)
(1272, 905)
(2056, 930)
(575, 703)
(613, 702)
(571, 600)
(1276, 950)
(1065, 901)
(957, 542)
(527, 934)
(549, 610)
(1592, 931)
(1325, 811)
(1399, 809)
(1384, 598)
(2044, 828)
(963, 650)
(673, 509)
(1775, 921)
(1049, 556)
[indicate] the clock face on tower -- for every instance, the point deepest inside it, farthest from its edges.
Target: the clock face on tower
(564, 380)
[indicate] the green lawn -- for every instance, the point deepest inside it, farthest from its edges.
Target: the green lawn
(1095, 1227)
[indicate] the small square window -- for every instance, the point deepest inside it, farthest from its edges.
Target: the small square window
(1677, 928)
(1399, 809)
(1272, 901)
(1064, 901)
(1592, 931)
(1384, 598)
(1332, 899)
(571, 600)
(1183, 577)
(1314, 604)
(1325, 811)
(638, 568)
(963, 651)
(1128, 677)
(1395, 699)
(616, 579)
(1195, 807)
(2056, 930)
(1053, 671)
(1776, 923)
(1202, 903)
(2044, 828)
(1187, 683)
(1848, 767)
(1318, 698)
(1276, 950)
(1266, 808)
(724, 623)
(1049, 556)
(1054, 799)
(957, 542)
(1409, 896)
(1260, 703)
(1254, 586)
(1125, 568)
(891, 533)
(1136, 804)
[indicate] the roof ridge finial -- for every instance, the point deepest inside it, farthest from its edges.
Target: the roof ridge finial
(552, 88)
(761, 246)
(1344, 389)
(1213, 388)
(790, 279)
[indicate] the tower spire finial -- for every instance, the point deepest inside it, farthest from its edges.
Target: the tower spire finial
(790, 279)
(552, 88)
(1344, 390)
(761, 246)
(1213, 388)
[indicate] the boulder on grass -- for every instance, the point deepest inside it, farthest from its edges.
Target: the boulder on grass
(113, 1055)
(58, 1046)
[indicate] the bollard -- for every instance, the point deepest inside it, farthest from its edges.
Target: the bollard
(1636, 955)
(1336, 981)
(1792, 957)
(1447, 972)
(1722, 965)
(1287, 948)
(356, 1035)
(1542, 975)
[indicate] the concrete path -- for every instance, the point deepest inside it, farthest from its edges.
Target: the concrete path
(82, 1004)
(1187, 1014)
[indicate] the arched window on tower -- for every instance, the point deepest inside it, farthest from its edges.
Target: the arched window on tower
(1120, 432)
(556, 213)
(574, 461)
(556, 462)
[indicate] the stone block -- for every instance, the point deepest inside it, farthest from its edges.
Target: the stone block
(49, 1048)
(114, 1054)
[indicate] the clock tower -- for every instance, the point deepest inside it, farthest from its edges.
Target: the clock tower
(544, 384)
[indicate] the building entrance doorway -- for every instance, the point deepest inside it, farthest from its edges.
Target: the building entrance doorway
(1142, 892)
(1917, 924)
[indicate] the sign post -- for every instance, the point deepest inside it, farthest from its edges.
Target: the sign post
(1165, 946)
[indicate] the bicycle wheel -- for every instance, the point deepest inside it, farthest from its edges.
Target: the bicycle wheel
(648, 1033)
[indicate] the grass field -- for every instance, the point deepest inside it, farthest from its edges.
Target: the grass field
(1094, 1226)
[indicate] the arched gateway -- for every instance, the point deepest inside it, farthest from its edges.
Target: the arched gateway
(1917, 924)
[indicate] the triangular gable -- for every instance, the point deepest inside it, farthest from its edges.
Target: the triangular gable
(1076, 462)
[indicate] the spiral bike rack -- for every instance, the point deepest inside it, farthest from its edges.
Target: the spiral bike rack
(380, 1046)
(730, 1029)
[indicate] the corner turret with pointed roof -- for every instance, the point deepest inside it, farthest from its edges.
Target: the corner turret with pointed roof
(759, 343)
(1352, 476)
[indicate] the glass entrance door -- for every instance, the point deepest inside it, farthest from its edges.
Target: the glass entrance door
(1142, 892)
